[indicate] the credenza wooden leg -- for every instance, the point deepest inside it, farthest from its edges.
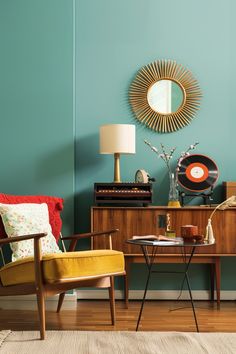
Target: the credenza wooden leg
(218, 280)
(212, 279)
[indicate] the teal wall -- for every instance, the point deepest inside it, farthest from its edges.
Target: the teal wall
(65, 69)
(36, 100)
(114, 39)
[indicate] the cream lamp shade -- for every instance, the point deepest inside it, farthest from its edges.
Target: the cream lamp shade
(117, 139)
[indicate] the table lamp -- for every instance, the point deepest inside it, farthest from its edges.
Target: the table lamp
(231, 201)
(117, 139)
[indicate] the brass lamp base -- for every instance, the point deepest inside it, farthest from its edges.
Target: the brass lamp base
(117, 168)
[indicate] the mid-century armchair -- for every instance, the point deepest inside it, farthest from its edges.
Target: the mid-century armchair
(55, 273)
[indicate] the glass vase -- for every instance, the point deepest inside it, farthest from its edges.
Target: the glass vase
(173, 191)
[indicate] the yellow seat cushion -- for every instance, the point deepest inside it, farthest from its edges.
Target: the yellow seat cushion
(62, 266)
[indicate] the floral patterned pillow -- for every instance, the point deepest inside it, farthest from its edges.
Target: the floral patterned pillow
(25, 219)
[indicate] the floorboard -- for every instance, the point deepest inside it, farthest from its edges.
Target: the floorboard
(157, 316)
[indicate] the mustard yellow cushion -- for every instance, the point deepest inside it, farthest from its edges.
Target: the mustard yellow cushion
(61, 266)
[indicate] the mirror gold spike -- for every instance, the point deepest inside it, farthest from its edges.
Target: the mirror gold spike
(164, 96)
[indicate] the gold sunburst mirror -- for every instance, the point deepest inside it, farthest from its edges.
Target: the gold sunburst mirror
(164, 96)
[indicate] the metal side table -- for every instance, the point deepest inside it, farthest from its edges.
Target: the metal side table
(150, 252)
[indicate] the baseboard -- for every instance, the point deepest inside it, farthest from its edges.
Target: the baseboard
(155, 294)
(28, 302)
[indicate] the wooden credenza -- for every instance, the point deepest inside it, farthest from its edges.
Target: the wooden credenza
(152, 220)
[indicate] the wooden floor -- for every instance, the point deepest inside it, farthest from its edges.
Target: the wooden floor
(157, 316)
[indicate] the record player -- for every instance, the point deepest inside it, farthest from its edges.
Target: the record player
(197, 174)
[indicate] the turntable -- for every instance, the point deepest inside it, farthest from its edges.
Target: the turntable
(197, 174)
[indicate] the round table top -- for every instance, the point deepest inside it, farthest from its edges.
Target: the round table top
(176, 242)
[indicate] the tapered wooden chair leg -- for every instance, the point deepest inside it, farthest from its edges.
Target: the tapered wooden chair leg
(112, 300)
(41, 312)
(60, 301)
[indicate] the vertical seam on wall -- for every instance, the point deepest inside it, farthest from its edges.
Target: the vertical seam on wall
(74, 101)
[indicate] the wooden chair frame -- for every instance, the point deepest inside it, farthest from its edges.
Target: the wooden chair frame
(43, 289)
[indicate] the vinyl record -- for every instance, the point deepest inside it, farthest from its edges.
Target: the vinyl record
(197, 173)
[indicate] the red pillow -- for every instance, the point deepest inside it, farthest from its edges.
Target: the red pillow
(55, 206)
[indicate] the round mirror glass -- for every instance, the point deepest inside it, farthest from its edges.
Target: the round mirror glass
(165, 96)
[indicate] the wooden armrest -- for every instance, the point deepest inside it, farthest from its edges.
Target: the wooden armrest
(90, 234)
(21, 238)
(75, 238)
(38, 273)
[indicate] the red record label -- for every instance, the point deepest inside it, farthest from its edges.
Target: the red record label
(197, 172)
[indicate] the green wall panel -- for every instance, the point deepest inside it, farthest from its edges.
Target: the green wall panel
(114, 39)
(36, 100)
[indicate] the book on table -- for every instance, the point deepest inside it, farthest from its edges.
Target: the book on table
(157, 239)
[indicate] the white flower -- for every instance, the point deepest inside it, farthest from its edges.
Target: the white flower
(179, 160)
(166, 157)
